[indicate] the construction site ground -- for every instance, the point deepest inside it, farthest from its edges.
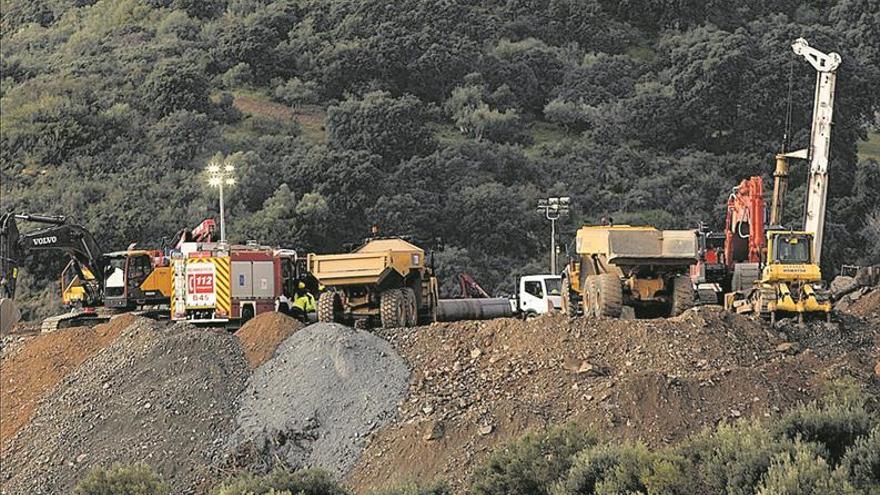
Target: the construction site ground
(188, 400)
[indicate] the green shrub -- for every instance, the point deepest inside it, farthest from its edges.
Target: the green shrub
(732, 459)
(803, 472)
(833, 425)
(282, 482)
(861, 463)
(532, 464)
(606, 469)
(138, 479)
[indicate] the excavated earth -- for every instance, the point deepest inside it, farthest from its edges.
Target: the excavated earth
(478, 384)
(396, 405)
(160, 394)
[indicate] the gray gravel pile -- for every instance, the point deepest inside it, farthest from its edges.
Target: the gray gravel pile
(161, 394)
(315, 402)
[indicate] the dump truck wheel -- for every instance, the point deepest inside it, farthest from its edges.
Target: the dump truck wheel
(682, 295)
(609, 295)
(412, 310)
(392, 309)
(567, 306)
(329, 307)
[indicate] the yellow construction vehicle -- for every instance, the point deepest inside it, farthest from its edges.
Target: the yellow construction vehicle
(791, 281)
(385, 279)
(622, 266)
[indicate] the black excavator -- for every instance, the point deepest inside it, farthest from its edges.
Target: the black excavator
(87, 260)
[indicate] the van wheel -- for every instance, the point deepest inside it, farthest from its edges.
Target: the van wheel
(247, 313)
(329, 307)
(609, 295)
(392, 309)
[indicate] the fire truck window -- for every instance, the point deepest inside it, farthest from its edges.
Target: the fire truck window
(534, 288)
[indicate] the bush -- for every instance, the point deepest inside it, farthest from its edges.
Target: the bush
(138, 479)
(861, 463)
(834, 426)
(732, 459)
(282, 482)
(802, 473)
(606, 469)
(532, 464)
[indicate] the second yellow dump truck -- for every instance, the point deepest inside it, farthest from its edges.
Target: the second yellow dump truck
(385, 281)
(623, 266)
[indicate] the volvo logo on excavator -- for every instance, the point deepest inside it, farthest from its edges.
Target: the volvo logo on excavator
(42, 241)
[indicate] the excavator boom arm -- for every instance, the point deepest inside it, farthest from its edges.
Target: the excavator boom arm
(73, 239)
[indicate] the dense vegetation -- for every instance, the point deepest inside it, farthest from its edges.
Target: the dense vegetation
(827, 447)
(444, 120)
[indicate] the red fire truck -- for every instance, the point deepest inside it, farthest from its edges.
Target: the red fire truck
(226, 285)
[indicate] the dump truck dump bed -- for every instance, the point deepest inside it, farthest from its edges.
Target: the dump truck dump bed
(368, 264)
(625, 245)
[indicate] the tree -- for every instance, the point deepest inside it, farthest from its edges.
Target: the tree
(175, 84)
(393, 128)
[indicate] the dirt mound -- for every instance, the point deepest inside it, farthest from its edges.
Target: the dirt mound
(478, 384)
(314, 403)
(160, 394)
(868, 305)
(261, 336)
(31, 372)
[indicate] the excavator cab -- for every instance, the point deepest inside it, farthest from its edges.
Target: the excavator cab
(137, 278)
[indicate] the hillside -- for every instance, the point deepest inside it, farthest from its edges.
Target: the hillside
(442, 120)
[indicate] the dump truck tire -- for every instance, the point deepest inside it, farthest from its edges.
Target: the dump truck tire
(412, 309)
(568, 307)
(682, 295)
(329, 307)
(392, 308)
(609, 295)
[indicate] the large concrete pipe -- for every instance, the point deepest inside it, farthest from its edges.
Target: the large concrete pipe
(473, 309)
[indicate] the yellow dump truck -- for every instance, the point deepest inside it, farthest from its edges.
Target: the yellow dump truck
(385, 281)
(622, 266)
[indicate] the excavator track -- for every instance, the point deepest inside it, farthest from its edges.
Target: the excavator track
(72, 319)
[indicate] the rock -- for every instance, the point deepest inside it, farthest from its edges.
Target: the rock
(486, 429)
(475, 353)
(433, 431)
(580, 366)
(735, 413)
(877, 369)
(789, 348)
(627, 313)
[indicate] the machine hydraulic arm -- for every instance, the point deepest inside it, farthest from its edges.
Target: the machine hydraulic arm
(819, 147)
(59, 235)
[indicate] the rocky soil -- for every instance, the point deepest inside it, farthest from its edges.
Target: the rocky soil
(260, 336)
(396, 405)
(478, 384)
(164, 395)
(32, 367)
(313, 404)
